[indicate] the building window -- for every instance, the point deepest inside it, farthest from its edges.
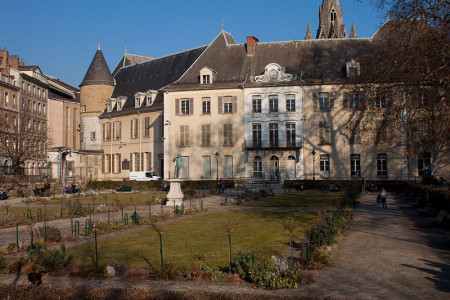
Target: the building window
(273, 104)
(184, 136)
(6, 98)
(117, 160)
(256, 135)
(137, 101)
(324, 133)
(43, 95)
(290, 103)
(333, 15)
(119, 105)
(107, 133)
(227, 105)
(134, 128)
(228, 166)
(355, 165)
(273, 134)
(185, 105)
(354, 101)
(257, 167)
(14, 101)
(206, 167)
(206, 135)
(83, 108)
(206, 79)
(148, 161)
(206, 106)
(325, 163)
(381, 134)
(137, 161)
(380, 100)
(117, 130)
(149, 100)
(382, 165)
(290, 135)
(228, 134)
(324, 102)
(93, 136)
(107, 162)
(147, 127)
(185, 167)
(424, 164)
(256, 100)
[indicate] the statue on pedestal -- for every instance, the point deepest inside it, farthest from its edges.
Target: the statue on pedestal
(178, 165)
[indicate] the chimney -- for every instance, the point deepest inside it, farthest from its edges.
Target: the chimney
(14, 62)
(251, 44)
(21, 63)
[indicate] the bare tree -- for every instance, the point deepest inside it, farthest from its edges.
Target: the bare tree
(402, 89)
(22, 136)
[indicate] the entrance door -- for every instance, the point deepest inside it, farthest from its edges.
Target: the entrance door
(274, 168)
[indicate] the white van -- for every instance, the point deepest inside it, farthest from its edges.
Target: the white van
(144, 176)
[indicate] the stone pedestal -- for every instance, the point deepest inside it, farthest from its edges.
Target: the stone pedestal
(175, 193)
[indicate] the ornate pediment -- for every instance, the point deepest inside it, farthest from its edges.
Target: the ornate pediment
(274, 73)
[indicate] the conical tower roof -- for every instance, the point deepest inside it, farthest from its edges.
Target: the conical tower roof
(353, 32)
(98, 72)
(308, 33)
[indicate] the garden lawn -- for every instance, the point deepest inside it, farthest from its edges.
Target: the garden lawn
(21, 212)
(206, 236)
(123, 197)
(297, 200)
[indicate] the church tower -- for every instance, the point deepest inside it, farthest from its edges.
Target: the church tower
(95, 90)
(331, 25)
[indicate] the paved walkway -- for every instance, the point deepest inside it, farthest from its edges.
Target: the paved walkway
(388, 254)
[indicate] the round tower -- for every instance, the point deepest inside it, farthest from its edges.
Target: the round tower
(96, 88)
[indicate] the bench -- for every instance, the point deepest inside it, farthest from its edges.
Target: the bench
(124, 189)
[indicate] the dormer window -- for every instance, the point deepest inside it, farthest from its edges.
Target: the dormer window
(149, 100)
(207, 75)
(120, 102)
(352, 68)
(109, 107)
(137, 102)
(119, 105)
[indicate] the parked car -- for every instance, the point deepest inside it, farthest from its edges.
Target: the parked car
(144, 176)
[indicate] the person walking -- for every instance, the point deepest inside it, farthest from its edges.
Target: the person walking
(383, 197)
(363, 185)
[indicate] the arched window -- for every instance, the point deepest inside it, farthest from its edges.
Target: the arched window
(333, 15)
(257, 167)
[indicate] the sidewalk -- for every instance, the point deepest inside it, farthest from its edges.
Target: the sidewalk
(388, 254)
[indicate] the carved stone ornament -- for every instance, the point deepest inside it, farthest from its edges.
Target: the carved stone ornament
(273, 73)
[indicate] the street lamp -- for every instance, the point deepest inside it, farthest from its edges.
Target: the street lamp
(217, 155)
(313, 153)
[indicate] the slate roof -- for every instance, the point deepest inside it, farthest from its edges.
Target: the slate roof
(34, 80)
(98, 72)
(150, 75)
(317, 60)
(130, 59)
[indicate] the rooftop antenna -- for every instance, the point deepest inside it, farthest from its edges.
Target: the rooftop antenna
(222, 22)
(98, 44)
(125, 56)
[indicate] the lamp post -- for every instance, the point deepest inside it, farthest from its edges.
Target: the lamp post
(217, 155)
(313, 153)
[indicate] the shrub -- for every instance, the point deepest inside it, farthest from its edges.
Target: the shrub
(119, 267)
(243, 264)
(49, 260)
(12, 247)
(269, 276)
(75, 208)
(53, 234)
(2, 263)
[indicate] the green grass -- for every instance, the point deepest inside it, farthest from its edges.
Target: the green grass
(258, 231)
(21, 212)
(297, 200)
(137, 198)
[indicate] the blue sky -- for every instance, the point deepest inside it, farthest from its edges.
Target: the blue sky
(61, 36)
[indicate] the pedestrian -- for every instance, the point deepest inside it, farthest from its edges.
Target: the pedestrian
(222, 185)
(383, 197)
(363, 184)
(219, 185)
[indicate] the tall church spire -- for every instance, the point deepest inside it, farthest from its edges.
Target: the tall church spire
(353, 32)
(308, 33)
(331, 24)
